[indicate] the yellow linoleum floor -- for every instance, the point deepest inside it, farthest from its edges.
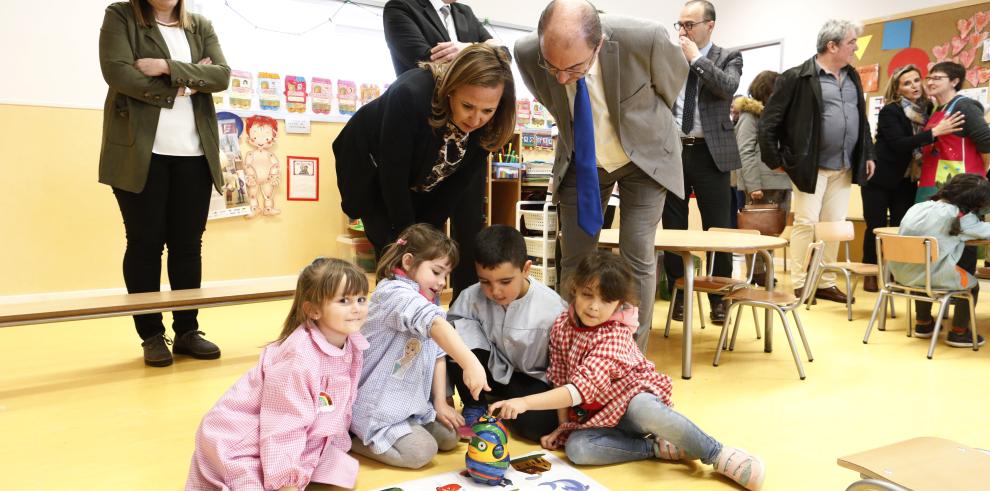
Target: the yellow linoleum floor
(79, 410)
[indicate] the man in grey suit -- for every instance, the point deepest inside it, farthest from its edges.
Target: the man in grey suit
(706, 131)
(634, 143)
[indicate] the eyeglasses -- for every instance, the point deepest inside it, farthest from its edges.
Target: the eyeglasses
(554, 71)
(687, 26)
(932, 78)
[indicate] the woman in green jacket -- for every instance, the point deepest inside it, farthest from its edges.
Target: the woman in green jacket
(160, 152)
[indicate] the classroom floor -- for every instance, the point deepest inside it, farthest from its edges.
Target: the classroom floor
(78, 408)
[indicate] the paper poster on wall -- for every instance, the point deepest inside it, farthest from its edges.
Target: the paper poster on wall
(869, 76)
(269, 96)
(522, 112)
(233, 199)
(346, 97)
(897, 34)
(369, 92)
(295, 94)
(321, 95)
(261, 166)
(976, 93)
(861, 44)
(873, 114)
(304, 178)
(241, 89)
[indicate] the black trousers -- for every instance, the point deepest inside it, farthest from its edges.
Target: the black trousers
(960, 316)
(467, 219)
(711, 188)
(172, 211)
(877, 203)
(530, 425)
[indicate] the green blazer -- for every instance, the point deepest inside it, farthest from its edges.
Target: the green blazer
(134, 101)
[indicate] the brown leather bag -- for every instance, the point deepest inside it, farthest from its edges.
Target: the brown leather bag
(769, 218)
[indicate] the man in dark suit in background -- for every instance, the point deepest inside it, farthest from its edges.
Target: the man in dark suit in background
(429, 30)
(710, 152)
(436, 30)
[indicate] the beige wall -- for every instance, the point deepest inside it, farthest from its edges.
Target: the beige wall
(62, 231)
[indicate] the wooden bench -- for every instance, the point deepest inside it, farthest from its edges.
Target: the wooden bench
(69, 309)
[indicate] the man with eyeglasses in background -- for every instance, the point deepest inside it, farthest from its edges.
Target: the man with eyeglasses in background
(814, 128)
(709, 152)
(613, 129)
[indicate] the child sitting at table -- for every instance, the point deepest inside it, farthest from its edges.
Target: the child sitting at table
(952, 216)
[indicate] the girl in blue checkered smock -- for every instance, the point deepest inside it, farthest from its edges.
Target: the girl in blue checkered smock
(401, 416)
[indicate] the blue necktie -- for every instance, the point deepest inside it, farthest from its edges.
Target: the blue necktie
(589, 199)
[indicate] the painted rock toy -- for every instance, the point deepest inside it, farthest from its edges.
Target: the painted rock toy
(487, 456)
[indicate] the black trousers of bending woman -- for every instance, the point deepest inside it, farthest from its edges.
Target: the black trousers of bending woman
(170, 211)
(877, 202)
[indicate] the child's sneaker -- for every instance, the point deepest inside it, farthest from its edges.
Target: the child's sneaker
(924, 330)
(471, 416)
(665, 450)
(963, 339)
(745, 469)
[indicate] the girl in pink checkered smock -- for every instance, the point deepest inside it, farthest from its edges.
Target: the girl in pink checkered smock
(284, 423)
(612, 404)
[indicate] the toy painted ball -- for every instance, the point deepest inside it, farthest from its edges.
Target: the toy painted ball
(487, 456)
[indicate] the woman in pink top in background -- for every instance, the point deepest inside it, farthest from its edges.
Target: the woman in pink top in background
(284, 423)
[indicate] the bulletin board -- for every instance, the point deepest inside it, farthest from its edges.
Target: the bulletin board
(956, 32)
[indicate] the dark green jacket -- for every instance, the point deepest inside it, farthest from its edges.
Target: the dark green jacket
(134, 101)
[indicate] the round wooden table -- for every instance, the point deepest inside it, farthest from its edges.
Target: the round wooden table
(685, 242)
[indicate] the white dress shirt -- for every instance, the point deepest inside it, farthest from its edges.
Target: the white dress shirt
(608, 148)
(447, 20)
(696, 131)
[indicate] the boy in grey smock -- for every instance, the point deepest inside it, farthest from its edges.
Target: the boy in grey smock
(505, 319)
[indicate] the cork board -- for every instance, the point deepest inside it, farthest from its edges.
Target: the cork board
(934, 33)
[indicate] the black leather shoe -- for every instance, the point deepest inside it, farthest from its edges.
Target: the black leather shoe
(832, 294)
(717, 314)
(156, 353)
(192, 344)
(678, 309)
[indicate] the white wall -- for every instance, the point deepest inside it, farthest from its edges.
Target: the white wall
(746, 22)
(527, 12)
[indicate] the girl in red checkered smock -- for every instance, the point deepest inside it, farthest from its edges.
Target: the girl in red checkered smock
(284, 424)
(612, 404)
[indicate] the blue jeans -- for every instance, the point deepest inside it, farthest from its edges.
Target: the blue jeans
(628, 440)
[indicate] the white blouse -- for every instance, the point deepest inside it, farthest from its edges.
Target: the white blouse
(176, 134)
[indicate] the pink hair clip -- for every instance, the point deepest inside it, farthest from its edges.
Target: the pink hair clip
(401, 241)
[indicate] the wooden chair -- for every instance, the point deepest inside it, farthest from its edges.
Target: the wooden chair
(921, 251)
(843, 232)
(713, 284)
(781, 302)
(919, 463)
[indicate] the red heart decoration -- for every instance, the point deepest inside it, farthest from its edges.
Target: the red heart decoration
(973, 76)
(980, 21)
(941, 52)
(958, 44)
(984, 74)
(964, 26)
(976, 39)
(967, 57)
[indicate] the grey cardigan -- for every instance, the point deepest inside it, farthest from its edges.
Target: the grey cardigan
(754, 174)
